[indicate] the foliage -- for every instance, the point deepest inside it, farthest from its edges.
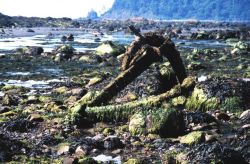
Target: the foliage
(229, 10)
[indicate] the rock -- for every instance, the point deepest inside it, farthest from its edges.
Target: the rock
(246, 127)
(222, 116)
(35, 118)
(30, 50)
(63, 149)
(241, 45)
(193, 138)
(109, 47)
(79, 92)
(219, 93)
(60, 90)
(68, 160)
(195, 66)
(133, 161)
(4, 109)
(32, 100)
(108, 131)
(87, 160)
(34, 50)
(112, 142)
(94, 81)
(173, 156)
(165, 122)
(10, 100)
(70, 37)
(63, 38)
(30, 30)
(198, 120)
(80, 151)
(65, 49)
(211, 136)
(87, 59)
(179, 101)
(245, 116)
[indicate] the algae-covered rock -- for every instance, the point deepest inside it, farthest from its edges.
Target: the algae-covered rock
(10, 100)
(109, 47)
(87, 160)
(30, 50)
(67, 49)
(241, 45)
(94, 81)
(219, 93)
(174, 156)
(133, 161)
(165, 122)
(193, 138)
(179, 101)
(60, 90)
(200, 101)
(137, 124)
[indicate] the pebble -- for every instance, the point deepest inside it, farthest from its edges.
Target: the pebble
(64, 149)
(35, 118)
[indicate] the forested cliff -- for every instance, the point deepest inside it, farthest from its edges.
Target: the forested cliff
(229, 10)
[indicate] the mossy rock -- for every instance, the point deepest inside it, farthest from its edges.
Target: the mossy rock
(219, 93)
(67, 49)
(133, 161)
(87, 160)
(12, 87)
(61, 90)
(109, 47)
(200, 101)
(175, 156)
(193, 138)
(241, 45)
(94, 80)
(165, 122)
(179, 101)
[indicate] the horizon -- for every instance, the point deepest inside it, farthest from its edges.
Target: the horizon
(54, 8)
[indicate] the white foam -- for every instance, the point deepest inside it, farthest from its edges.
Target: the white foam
(1, 94)
(202, 78)
(105, 159)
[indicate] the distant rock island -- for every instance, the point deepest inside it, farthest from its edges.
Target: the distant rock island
(221, 10)
(20, 21)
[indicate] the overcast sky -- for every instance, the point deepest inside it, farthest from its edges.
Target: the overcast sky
(53, 8)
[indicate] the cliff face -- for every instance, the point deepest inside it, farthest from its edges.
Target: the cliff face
(229, 10)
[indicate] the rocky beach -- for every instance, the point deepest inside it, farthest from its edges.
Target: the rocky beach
(55, 108)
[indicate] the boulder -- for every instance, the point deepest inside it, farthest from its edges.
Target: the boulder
(30, 50)
(30, 30)
(109, 47)
(165, 122)
(219, 93)
(63, 38)
(193, 138)
(245, 117)
(70, 37)
(66, 49)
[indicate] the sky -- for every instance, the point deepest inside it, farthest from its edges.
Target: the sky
(53, 8)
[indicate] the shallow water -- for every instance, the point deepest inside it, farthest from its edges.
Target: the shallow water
(84, 41)
(38, 84)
